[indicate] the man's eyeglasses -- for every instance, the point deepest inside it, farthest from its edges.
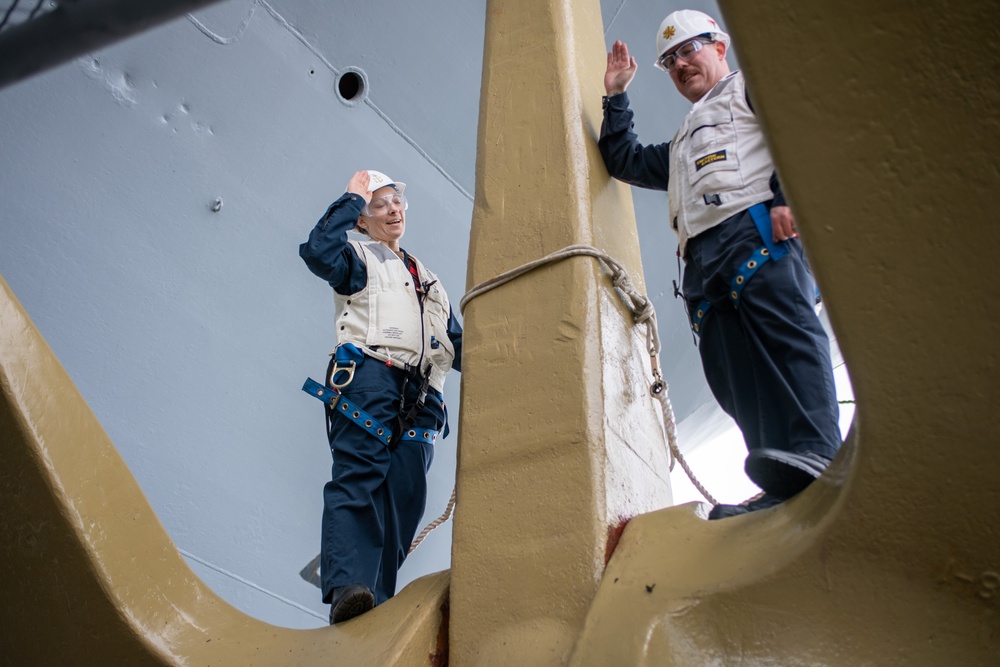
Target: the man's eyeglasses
(381, 205)
(668, 61)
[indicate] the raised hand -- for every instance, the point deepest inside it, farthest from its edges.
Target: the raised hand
(359, 185)
(621, 69)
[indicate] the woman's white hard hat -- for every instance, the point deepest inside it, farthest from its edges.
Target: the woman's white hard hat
(685, 24)
(380, 180)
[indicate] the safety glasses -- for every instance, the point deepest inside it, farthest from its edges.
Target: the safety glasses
(668, 61)
(385, 203)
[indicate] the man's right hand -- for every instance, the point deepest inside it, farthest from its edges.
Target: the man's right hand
(621, 69)
(358, 185)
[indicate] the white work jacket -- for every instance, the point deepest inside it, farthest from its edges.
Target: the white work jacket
(719, 161)
(385, 320)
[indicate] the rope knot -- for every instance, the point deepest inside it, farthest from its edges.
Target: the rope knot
(645, 312)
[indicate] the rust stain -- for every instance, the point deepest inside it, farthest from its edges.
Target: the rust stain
(614, 534)
(439, 658)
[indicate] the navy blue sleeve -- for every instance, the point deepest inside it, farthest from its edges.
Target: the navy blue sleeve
(626, 159)
(327, 252)
(455, 336)
(779, 196)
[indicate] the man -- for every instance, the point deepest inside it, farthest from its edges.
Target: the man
(746, 284)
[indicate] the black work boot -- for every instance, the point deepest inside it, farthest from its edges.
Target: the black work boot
(760, 502)
(350, 601)
(784, 473)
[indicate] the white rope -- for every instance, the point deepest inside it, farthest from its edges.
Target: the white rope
(642, 312)
(434, 524)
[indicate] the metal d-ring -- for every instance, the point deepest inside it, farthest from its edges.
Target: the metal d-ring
(349, 369)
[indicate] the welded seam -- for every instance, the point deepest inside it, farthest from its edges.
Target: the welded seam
(615, 17)
(395, 128)
(219, 39)
(247, 582)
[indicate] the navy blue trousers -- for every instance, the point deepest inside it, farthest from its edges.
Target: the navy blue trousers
(767, 362)
(373, 504)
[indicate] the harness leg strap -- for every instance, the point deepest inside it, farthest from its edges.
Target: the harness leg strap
(699, 314)
(761, 217)
(349, 409)
(418, 435)
(759, 257)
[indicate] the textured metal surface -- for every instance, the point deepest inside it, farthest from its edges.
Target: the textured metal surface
(158, 306)
(151, 302)
(552, 465)
(90, 575)
(158, 300)
(892, 559)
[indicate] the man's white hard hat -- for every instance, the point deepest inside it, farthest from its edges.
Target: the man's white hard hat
(380, 180)
(685, 24)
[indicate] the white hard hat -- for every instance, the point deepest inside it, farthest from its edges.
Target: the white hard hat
(380, 180)
(685, 24)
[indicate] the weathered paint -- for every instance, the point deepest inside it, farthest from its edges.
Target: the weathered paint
(892, 559)
(160, 306)
(572, 441)
(89, 570)
(884, 122)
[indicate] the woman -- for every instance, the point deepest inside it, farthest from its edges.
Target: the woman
(396, 340)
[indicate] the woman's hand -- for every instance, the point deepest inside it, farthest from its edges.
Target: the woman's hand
(358, 185)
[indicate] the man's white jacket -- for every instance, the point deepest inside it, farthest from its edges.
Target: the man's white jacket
(719, 161)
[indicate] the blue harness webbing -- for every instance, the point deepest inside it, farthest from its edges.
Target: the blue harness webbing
(346, 359)
(348, 408)
(699, 315)
(762, 219)
(416, 435)
(770, 250)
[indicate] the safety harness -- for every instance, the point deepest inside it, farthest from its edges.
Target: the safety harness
(345, 360)
(770, 250)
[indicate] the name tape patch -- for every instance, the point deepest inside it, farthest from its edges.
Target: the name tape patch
(706, 160)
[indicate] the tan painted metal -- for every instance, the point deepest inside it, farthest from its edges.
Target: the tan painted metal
(883, 120)
(91, 578)
(560, 438)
